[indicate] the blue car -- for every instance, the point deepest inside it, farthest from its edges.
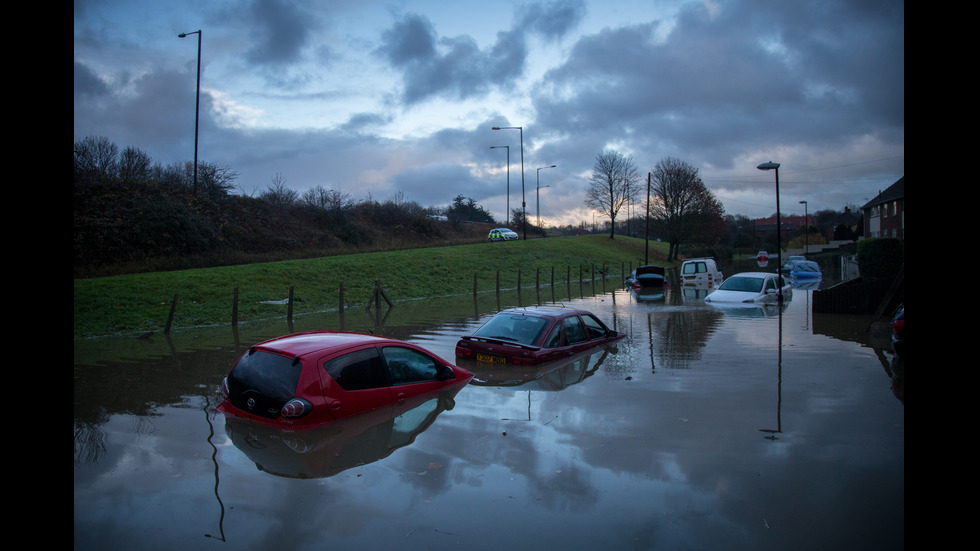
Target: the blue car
(806, 269)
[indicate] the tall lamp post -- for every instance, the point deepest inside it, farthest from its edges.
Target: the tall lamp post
(197, 102)
(523, 198)
(507, 147)
(538, 192)
(806, 228)
(779, 248)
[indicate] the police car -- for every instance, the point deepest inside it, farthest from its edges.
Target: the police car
(501, 234)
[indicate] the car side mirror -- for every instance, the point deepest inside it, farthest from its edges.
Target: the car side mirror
(445, 373)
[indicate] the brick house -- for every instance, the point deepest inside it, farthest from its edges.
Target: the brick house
(884, 216)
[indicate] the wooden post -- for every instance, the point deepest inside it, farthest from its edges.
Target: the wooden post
(289, 309)
(170, 317)
(568, 280)
(234, 309)
(520, 300)
(474, 285)
(341, 305)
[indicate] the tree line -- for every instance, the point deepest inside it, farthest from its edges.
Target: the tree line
(132, 214)
(685, 213)
(680, 208)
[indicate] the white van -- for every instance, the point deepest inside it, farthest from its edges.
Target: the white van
(700, 272)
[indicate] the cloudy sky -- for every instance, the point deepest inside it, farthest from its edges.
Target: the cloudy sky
(388, 99)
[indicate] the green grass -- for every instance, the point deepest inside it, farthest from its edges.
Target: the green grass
(141, 302)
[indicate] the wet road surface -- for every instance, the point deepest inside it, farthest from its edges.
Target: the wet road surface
(705, 428)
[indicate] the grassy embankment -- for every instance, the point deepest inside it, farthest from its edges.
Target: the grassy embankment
(141, 302)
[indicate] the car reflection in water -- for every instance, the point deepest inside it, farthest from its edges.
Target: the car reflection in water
(329, 449)
(647, 294)
(550, 376)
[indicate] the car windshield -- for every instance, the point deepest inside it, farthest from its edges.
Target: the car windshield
(513, 327)
(745, 284)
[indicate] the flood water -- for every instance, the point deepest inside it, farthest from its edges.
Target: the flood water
(703, 429)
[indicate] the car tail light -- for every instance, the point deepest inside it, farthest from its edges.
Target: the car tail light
(297, 407)
(463, 352)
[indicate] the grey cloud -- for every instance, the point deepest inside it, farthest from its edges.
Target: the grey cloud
(453, 67)
(713, 89)
(281, 31)
(411, 40)
(551, 20)
(87, 83)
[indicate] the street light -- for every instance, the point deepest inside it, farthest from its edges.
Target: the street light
(806, 228)
(523, 198)
(197, 103)
(779, 248)
(508, 180)
(538, 192)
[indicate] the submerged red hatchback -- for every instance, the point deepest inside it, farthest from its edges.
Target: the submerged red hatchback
(318, 376)
(535, 335)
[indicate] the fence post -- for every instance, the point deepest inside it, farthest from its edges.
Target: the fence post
(520, 298)
(289, 310)
(341, 306)
(234, 309)
(170, 317)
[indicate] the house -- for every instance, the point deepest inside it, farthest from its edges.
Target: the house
(884, 216)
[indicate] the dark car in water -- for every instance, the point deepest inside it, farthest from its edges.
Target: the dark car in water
(534, 335)
(315, 377)
(647, 276)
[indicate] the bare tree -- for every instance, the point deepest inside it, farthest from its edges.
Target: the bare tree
(613, 184)
(96, 159)
(216, 180)
(683, 208)
(326, 199)
(278, 194)
(135, 166)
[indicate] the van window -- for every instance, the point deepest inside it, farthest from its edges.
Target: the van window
(695, 267)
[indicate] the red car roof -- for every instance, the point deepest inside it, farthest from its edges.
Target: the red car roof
(300, 344)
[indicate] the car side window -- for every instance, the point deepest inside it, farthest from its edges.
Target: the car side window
(574, 332)
(409, 366)
(358, 370)
(554, 338)
(596, 329)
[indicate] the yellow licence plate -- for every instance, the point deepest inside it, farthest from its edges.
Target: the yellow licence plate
(490, 358)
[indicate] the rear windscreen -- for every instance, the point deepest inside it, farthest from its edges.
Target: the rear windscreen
(272, 375)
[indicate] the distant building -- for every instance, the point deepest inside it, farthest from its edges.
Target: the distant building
(846, 223)
(788, 224)
(884, 216)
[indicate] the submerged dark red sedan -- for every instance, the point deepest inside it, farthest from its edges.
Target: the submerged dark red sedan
(320, 376)
(535, 335)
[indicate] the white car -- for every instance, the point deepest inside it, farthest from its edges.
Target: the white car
(501, 234)
(751, 288)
